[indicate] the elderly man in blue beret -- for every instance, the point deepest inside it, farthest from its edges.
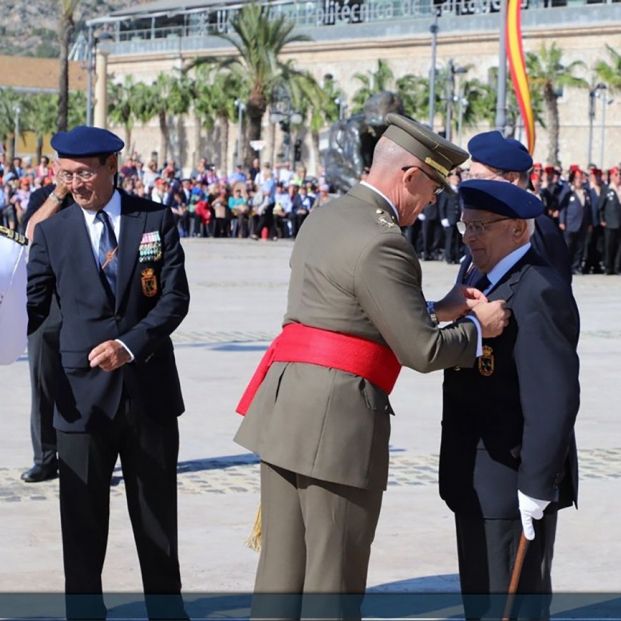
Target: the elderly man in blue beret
(116, 267)
(508, 455)
(495, 157)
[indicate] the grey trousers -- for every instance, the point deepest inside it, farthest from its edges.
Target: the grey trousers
(316, 541)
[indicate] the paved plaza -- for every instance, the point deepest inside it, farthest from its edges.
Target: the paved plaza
(238, 292)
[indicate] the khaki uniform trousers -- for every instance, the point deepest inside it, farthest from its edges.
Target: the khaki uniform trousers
(316, 539)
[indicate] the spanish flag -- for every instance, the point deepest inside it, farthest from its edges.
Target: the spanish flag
(517, 66)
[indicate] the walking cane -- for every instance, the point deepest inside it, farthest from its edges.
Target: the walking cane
(515, 576)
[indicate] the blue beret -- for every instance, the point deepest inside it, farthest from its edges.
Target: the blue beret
(84, 141)
(501, 197)
(493, 149)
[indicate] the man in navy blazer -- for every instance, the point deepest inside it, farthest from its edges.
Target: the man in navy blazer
(508, 453)
(116, 266)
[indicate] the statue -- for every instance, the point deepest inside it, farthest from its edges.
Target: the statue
(352, 140)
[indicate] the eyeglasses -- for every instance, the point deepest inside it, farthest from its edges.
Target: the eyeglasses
(82, 175)
(438, 190)
(476, 227)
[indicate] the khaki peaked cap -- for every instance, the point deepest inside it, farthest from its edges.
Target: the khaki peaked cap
(438, 153)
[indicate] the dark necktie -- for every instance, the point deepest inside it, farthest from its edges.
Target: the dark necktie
(108, 259)
(477, 280)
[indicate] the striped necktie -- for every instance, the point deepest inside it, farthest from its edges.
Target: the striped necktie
(108, 257)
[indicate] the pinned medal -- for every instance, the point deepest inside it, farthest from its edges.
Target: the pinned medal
(384, 220)
(486, 361)
(148, 280)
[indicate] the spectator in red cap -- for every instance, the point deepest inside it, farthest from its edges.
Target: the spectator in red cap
(610, 212)
(575, 219)
(595, 238)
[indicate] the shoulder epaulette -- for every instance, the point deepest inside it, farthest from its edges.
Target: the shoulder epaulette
(14, 235)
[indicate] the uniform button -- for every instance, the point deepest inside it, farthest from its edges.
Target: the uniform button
(379, 211)
(457, 368)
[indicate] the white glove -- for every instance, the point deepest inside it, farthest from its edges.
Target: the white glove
(421, 216)
(530, 509)
(445, 223)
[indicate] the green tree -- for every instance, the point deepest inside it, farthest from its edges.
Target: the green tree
(548, 74)
(10, 103)
(41, 117)
(65, 32)
(413, 90)
(77, 108)
(259, 40)
(610, 73)
(372, 82)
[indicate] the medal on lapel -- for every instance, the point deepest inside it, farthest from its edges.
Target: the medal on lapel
(486, 361)
(148, 280)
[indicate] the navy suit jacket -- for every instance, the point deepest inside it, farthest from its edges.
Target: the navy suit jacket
(152, 298)
(508, 422)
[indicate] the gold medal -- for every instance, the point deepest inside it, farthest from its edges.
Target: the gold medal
(149, 282)
(486, 361)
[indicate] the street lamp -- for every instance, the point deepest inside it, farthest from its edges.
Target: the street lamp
(342, 104)
(433, 29)
(605, 102)
(453, 70)
(241, 108)
(283, 114)
(593, 93)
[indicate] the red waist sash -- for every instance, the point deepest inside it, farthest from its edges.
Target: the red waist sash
(299, 343)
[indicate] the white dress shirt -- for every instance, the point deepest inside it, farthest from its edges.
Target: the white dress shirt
(504, 265)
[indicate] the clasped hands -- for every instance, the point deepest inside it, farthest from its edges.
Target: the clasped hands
(461, 300)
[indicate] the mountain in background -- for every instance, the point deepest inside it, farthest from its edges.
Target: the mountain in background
(30, 27)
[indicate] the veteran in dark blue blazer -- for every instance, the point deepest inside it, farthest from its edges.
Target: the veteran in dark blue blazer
(508, 454)
(116, 267)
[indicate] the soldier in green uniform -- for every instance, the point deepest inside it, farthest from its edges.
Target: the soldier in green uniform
(320, 418)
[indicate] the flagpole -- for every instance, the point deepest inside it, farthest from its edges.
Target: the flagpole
(501, 88)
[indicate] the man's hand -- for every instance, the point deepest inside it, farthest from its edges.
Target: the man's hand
(109, 356)
(457, 302)
(530, 509)
(493, 317)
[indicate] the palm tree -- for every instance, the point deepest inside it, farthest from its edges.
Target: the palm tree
(77, 108)
(610, 73)
(121, 106)
(549, 74)
(65, 32)
(413, 90)
(259, 40)
(372, 82)
(41, 117)
(10, 102)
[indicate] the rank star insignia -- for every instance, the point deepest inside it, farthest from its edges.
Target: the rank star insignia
(148, 280)
(486, 361)
(384, 220)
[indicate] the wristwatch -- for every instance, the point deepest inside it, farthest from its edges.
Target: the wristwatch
(56, 198)
(431, 309)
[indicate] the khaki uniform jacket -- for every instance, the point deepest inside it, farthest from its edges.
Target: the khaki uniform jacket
(351, 272)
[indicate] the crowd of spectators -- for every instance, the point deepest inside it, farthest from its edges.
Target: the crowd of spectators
(265, 202)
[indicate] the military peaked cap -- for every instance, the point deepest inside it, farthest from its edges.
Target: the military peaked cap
(439, 154)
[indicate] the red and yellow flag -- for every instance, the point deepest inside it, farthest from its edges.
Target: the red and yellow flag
(517, 66)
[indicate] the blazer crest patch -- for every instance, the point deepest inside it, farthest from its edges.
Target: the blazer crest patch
(487, 361)
(148, 279)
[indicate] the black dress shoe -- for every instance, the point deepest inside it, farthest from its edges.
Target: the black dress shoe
(40, 473)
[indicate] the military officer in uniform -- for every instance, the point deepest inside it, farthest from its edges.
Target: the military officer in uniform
(508, 452)
(13, 317)
(496, 157)
(320, 418)
(116, 267)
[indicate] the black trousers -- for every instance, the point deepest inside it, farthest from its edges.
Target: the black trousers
(45, 369)
(576, 245)
(612, 245)
(148, 450)
(486, 551)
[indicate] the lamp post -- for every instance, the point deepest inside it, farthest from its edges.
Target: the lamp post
(433, 29)
(453, 70)
(241, 108)
(593, 93)
(283, 114)
(501, 87)
(92, 72)
(17, 110)
(605, 102)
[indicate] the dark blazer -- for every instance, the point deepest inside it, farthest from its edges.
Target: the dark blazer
(508, 422)
(573, 214)
(610, 208)
(548, 242)
(152, 298)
